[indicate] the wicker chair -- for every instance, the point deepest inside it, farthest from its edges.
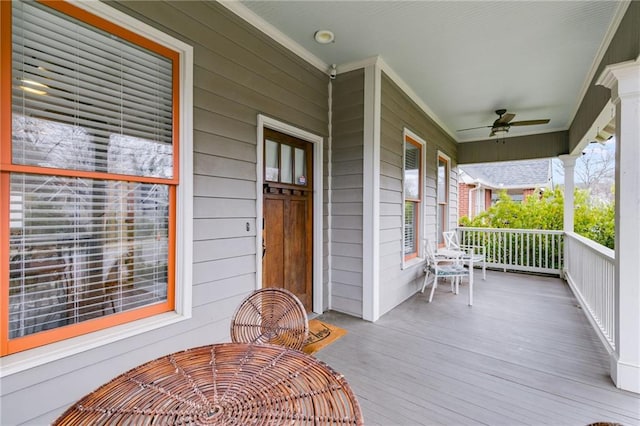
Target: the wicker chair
(271, 315)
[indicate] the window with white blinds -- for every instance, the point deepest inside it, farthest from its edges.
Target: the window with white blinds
(92, 181)
(412, 191)
(66, 72)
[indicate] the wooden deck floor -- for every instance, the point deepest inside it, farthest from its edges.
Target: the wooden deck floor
(524, 354)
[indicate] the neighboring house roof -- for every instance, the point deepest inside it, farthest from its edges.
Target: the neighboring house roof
(508, 175)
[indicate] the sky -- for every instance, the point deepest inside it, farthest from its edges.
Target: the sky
(593, 151)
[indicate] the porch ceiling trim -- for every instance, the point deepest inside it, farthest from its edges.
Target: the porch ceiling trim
(277, 35)
(256, 21)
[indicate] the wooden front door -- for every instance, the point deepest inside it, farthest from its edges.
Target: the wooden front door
(288, 215)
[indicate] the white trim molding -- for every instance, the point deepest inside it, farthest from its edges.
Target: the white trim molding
(607, 114)
(317, 141)
(328, 296)
(248, 15)
(371, 193)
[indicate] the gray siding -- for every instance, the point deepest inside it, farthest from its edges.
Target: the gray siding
(625, 46)
(346, 192)
(546, 145)
(238, 73)
(398, 112)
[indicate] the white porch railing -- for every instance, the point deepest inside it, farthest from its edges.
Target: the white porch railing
(590, 271)
(529, 250)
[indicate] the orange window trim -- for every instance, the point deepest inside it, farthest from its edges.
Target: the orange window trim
(171, 261)
(42, 338)
(5, 81)
(416, 201)
(9, 346)
(4, 260)
(37, 170)
(55, 335)
(5, 155)
(110, 27)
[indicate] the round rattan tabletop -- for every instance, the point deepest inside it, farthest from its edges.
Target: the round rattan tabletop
(222, 384)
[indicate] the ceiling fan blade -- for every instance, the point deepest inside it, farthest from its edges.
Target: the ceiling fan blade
(529, 122)
(504, 119)
(474, 128)
(492, 133)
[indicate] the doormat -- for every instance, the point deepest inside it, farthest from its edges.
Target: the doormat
(320, 335)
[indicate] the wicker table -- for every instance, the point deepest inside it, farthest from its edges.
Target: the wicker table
(222, 384)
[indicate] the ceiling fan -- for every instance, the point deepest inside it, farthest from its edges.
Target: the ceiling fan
(503, 123)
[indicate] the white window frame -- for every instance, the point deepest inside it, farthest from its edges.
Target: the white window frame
(420, 230)
(31, 358)
(447, 213)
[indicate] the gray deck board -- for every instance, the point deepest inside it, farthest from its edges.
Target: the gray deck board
(524, 354)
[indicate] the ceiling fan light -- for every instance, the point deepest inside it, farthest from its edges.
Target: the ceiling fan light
(324, 36)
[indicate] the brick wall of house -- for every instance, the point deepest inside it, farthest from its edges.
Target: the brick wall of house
(527, 192)
(463, 199)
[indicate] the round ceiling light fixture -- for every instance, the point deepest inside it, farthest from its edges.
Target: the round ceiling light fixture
(324, 36)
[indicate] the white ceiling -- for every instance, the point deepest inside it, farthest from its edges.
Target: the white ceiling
(464, 59)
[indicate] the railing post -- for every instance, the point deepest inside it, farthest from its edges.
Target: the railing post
(568, 163)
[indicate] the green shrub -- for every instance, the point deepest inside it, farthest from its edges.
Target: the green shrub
(595, 222)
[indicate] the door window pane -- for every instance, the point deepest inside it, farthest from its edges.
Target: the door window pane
(272, 168)
(300, 167)
(286, 173)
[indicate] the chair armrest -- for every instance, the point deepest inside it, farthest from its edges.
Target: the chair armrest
(475, 249)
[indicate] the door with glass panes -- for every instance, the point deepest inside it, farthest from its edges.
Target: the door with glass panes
(288, 215)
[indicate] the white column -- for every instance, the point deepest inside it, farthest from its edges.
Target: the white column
(371, 193)
(624, 81)
(569, 163)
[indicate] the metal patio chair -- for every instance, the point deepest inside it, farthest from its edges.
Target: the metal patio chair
(442, 267)
(478, 253)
